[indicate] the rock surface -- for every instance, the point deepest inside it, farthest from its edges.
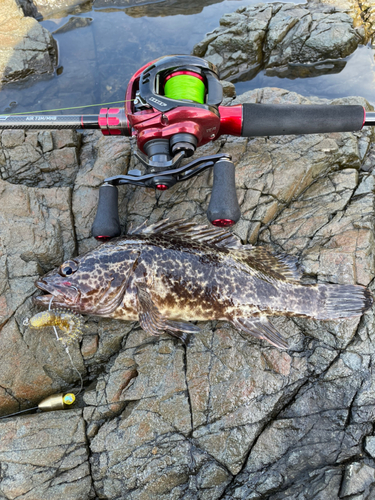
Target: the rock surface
(286, 40)
(45, 456)
(39, 158)
(26, 48)
(363, 13)
(223, 417)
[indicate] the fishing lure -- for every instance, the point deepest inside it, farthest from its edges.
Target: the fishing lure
(68, 322)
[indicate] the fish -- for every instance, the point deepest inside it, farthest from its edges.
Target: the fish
(69, 323)
(172, 273)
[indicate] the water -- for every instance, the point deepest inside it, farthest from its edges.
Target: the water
(100, 49)
(357, 78)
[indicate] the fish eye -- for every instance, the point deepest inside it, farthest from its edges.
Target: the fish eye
(69, 267)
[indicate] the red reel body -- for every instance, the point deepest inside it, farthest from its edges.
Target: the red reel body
(152, 115)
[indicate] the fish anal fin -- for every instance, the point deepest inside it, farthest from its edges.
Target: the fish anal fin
(261, 328)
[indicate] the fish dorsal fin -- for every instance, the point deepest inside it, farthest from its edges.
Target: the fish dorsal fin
(258, 260)
(190, 231)
(269, 266)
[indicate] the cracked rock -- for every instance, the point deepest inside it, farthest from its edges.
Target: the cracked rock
(45, 456)
(363, 13)
(286, 40)
(43, 159)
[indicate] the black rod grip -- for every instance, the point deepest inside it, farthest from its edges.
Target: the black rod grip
(106, 224)
(287, 119)
(223, 208)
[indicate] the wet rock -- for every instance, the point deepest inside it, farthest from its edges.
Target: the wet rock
(26, 48)
(36, 233)
(32, 450)
(362, 13)
(44, 158)
(287, 40)
(157, 424)
(304, 439)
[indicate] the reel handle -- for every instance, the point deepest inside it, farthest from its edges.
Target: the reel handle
(223, 209)
(107, 224)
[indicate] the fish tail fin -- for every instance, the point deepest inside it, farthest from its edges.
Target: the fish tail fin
(343, 301)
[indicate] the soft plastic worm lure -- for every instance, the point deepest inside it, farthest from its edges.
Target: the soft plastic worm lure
(70, 323)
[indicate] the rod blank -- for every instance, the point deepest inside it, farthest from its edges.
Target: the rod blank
(49, 122)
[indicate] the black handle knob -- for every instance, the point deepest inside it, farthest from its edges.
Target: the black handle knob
(106, 224)
(223, 209)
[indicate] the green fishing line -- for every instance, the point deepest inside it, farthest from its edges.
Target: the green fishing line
(185, 87)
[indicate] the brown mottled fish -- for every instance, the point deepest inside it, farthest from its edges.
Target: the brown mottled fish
(170, 273)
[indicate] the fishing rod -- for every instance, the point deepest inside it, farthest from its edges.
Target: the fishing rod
(173, 106)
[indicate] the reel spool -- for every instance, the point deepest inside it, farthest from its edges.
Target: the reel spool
(185, 86)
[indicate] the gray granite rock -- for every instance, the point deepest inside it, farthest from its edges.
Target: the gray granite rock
(45, 456)
(287, 40)
(39, 158)
(362, 13)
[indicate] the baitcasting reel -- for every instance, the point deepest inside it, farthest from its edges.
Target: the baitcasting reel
(172, 106)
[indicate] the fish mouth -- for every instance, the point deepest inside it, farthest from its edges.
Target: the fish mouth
(61, 295)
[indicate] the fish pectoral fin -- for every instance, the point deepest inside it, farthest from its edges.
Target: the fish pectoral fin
(153, 322)
(149, 316)
(261, 328)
